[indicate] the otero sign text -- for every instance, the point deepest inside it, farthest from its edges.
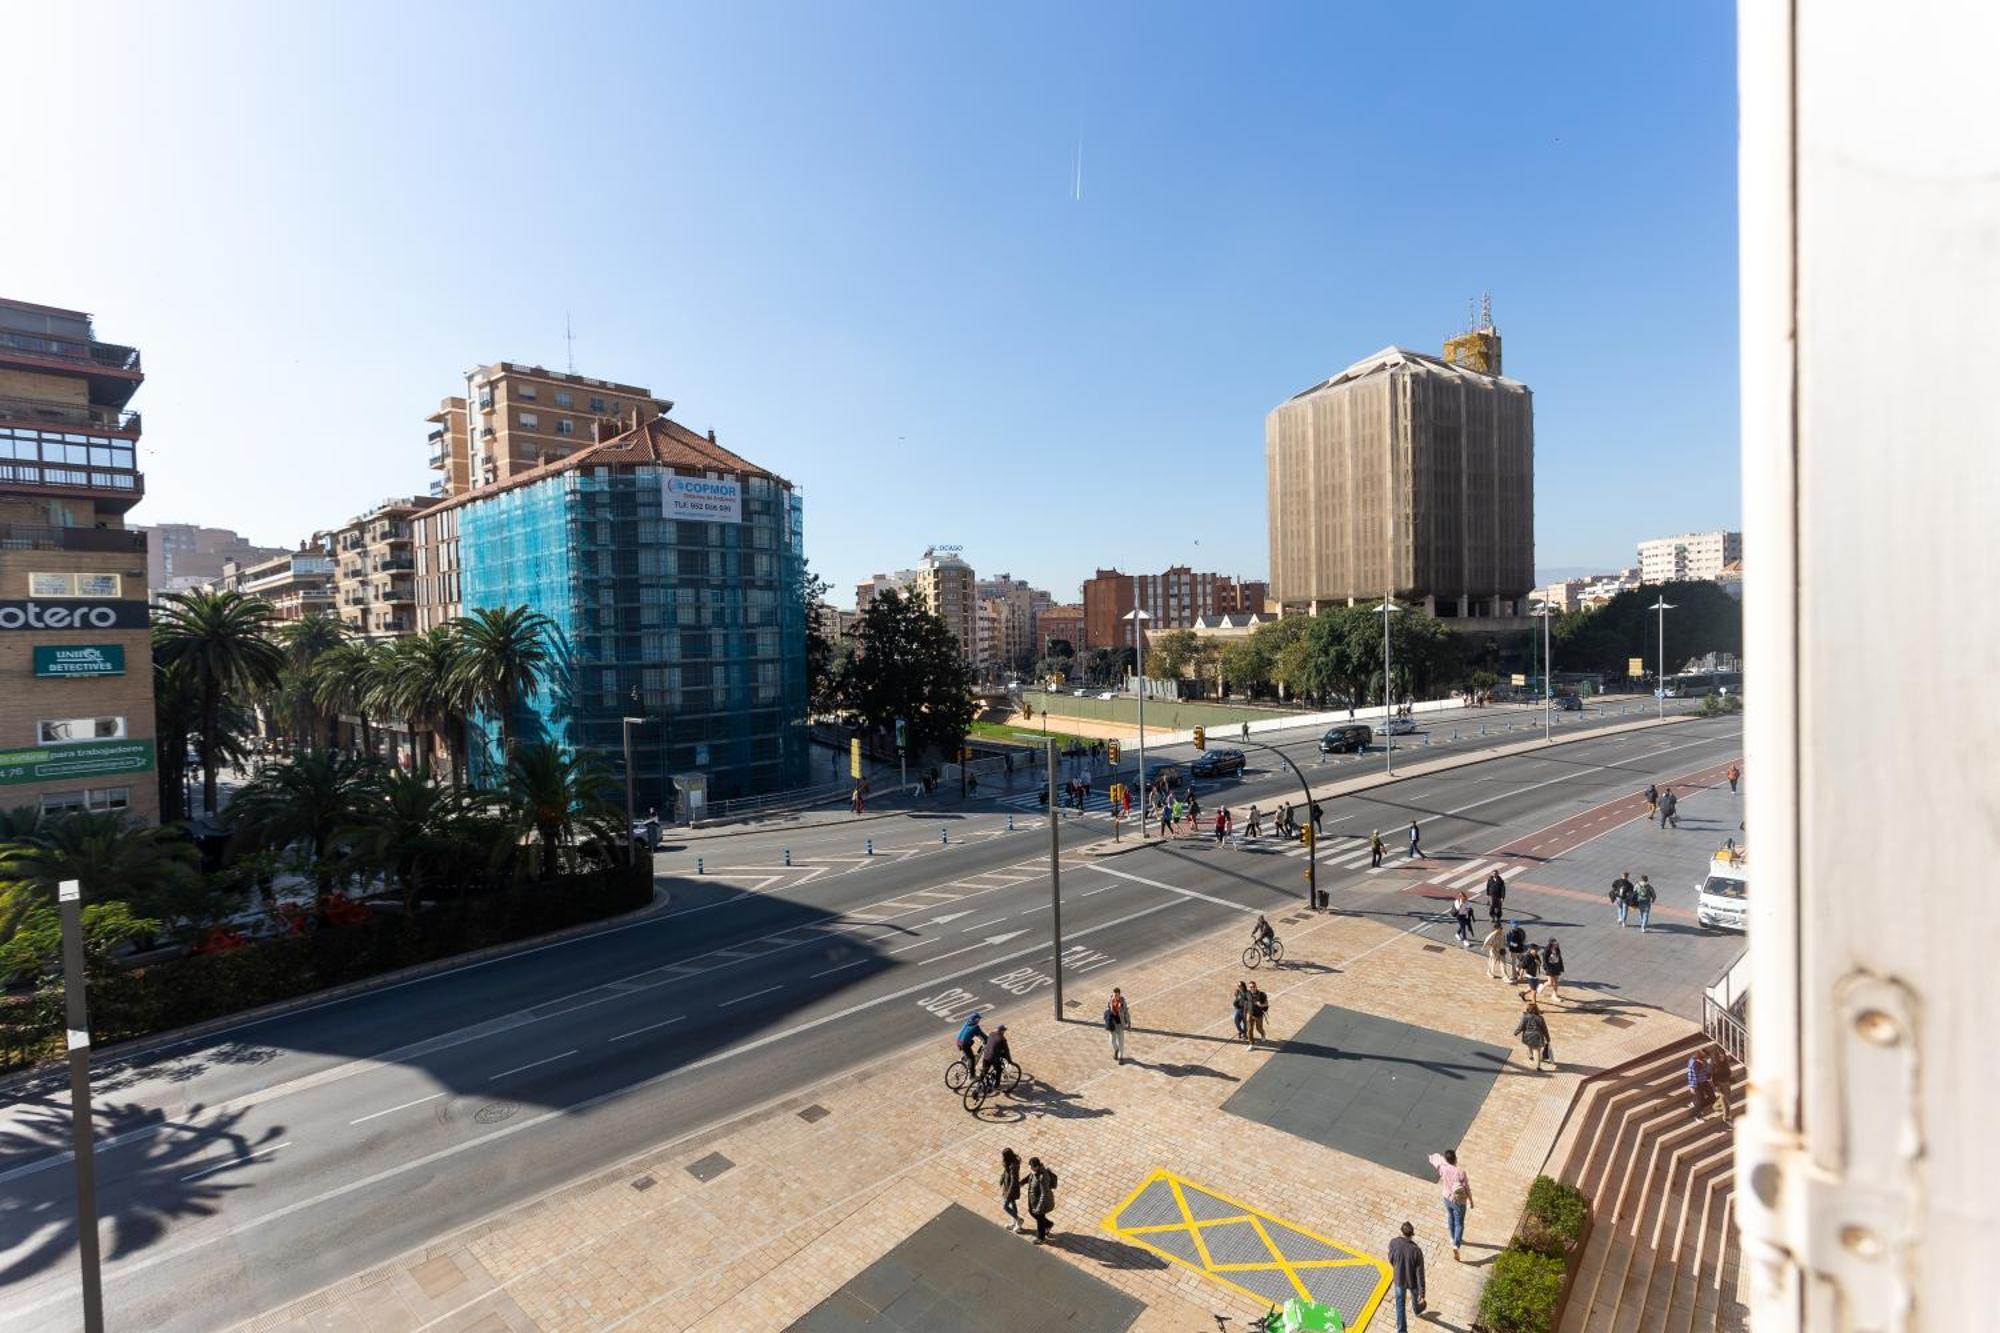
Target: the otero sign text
(72, 613)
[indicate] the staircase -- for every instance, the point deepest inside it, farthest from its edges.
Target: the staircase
(1662, 1255)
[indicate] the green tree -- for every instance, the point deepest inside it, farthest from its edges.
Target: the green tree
(1170, 654)
(304, 808)
(1245, 665)
(36, 946)
(1705, 619)
(223, 641)
(350, 678)
(151, 868)
(305, 641)
(556, 796)
(413, 832)
(506, 653)
(907, 665)
(825, 662)
(423, 681)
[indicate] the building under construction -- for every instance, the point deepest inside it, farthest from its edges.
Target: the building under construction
(1410, 475)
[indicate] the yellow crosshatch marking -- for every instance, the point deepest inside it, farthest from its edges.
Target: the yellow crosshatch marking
(1256, 1253)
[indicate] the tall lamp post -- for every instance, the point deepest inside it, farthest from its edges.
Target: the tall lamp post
(1662, 606)
(631, 853)
(1388, 741)
(1545, 613)
(1138, 616)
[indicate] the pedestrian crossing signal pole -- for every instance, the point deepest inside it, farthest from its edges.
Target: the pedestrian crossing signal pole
(1055, 877)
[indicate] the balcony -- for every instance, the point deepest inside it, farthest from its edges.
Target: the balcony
(391, 565)
(41, 412)
(41, 537)
(109, 356)
(119, 488)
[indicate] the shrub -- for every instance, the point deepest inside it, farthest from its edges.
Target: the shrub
(1559, 1210)
(1521, 1295)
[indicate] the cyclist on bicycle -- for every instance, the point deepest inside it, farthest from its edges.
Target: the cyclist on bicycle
(1261, 934)
(968, 1033)
(996, 1055)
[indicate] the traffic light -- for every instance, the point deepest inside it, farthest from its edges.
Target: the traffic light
(1200, 738)
(1307, 831)
(1114, 754)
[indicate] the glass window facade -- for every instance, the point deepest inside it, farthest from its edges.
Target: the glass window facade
(698, 627)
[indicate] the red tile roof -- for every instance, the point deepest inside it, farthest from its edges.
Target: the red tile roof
(659, 441)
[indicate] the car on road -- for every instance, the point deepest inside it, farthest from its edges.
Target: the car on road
(1349, 738)
(1217, 763)
(1171, 775)
(1079, 693)
(1109, 694)
(1568, 703)
(1722, 898)
(1399, 726)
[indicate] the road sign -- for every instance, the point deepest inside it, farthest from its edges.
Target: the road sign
(902, 741)
(1635, 666)
(854, 757)
(1520, 679)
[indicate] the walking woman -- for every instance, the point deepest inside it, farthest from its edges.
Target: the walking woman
(1552, 968)
(1010, 1187)
(1240, 1002)
(1533, 1030)
(1461, 912)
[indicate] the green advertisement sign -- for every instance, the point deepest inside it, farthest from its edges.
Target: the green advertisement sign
(80, 659)
(88, 760)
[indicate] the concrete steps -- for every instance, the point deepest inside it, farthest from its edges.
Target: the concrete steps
(1662, 1254)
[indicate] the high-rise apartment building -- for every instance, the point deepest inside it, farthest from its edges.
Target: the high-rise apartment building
(673, 572)
(944, 584)
(76, 712)
(1006, 622)
(1692, 555)
(295, 583)
(180, 556)
(1173, 599)
(875, 585)
(374, 567)
(1410, 475)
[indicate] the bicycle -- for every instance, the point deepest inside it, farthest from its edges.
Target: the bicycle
(991, 1083)
(1273, 949)
(959, 1072)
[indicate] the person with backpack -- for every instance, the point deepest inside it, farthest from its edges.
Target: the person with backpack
(1457, 1188)
(1621, 897)
(1533, 1030)
(1652, 801)
(1117, 1018)
(1240, 1002)
(1041, 1197)
(1735, 776)
(1010, 1187)
(1253, 827)
(1517, 945)
(1260, 1004)
(1644, 895)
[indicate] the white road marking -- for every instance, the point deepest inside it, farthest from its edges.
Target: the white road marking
(751, 996)
(1092, 893)
(913, 944)
(842, 968)
(989, 940)
(236, 1161)
(665, 1022)
(532, 1064)
(374, 1115)
(982, 925)
(1173, 888)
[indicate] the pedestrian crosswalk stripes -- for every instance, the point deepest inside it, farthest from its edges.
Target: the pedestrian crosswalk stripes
(1469, 873)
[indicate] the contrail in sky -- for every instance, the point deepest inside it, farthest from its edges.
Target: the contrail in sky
(1076, 175)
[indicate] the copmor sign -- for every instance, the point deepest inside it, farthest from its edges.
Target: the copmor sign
(701, 499)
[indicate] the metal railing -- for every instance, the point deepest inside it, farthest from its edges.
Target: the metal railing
(770, 802)
(110, 355)
(43, 537)
(1726, 1027)
(68, 476)
(42, 412)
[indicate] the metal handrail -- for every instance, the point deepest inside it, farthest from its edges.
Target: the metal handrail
(1727, 1028)
(71, 349)
(42, 412)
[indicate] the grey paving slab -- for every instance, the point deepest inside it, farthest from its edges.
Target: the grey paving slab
(960, 1271)
(1388, 1092)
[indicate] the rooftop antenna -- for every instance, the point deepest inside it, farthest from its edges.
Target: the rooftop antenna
(1486, 310)
(569, 338)
(1471, 315)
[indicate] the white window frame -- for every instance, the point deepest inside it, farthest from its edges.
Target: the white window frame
(48, 730)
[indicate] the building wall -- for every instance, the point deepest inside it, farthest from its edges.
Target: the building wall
(1692, 555)
(522, 414)
(375, 569)
(704, 620)
(946, 586)
(1059, 622)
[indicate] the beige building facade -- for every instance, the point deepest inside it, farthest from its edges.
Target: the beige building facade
(76, 677)
(1692, 555)
(944, 584)
(296, 584)
(375, 568)
(1409, 475)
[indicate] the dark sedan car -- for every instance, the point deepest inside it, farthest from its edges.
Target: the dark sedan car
(1216, 763)
(1568, 703)
(1352, 738)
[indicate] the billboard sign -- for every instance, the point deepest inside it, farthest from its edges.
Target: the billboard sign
(701, 500)
(87, 760)
(1635, 666)
(83, 659)
(73, 613)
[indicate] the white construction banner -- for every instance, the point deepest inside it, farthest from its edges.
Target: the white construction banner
(702, 500)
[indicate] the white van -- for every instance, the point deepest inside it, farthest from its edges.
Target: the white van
(1721, 900)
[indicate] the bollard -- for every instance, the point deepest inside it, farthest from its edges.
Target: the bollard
(944, 837)
(1454, 735)
(870, 845)
(1427, 740)
(1482, 728)
(788, 856)
(1010, 821)
(698, 866)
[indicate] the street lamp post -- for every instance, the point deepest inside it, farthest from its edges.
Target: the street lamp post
(1662, 606)
(1388, 741)
(1546, 613)
(1138, 616)
(631, 855)
(69, 897)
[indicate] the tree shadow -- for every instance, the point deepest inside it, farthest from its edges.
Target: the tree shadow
(152, 1173)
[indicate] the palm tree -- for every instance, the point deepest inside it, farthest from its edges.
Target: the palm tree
(306, 805)
(555, 796)
(417, 834)
(424, 683)
(305, 641)
(348, 678)
(222, 640)
(506, 654)
(151, 868)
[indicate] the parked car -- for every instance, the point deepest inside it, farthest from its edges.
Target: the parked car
(1080, 693)
(1399, 726)
(1349, 738)
(1568, 703)
(1217, 763)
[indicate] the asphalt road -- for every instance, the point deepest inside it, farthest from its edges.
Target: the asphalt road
(256, 1165)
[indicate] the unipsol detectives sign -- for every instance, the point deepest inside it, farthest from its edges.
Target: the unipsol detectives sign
(72, 613)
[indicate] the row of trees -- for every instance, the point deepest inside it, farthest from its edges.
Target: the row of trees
(898, 662)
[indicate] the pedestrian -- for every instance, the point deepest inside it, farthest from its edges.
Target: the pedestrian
(1496, 950)
(1670, 806)
(972, 784)
(1375, 849)
(1643, 898)
(1461, 912)
(1284, 821)
(1457, 1189)
(1240, 1002)
(1010, 1187)
(1166, 819)
(1552, 967)
(1531, 971)
(1735, 774)
(1260, 1004)
(1406, 1269)
(1117, 1018)
(1041, 1197)
(1193, 811)
(1125, 801)
(1621, 896)
(1533, 1030)
(1718, 1072)
(1517, 945)
(856, 801)
(1496, 896)
(1253, 827)
(1221, 825)
(1701, 1084)
(1652, 801)
(1416, 841)
(1317, 814)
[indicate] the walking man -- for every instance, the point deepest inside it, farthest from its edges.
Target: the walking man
(1375, 849)
(1495, 945)
(1317, 812)
(1643, 897)
(1621, 896)
(1669, 809)
(1260, 1004)
(1041, 1197)
(1253, 827)
(1406, 1268)
(1240, 1003)
(1517, 945)
(1496, 896)
(1416, 841)
(1652, 801)
(1701, 1084)
(1735, 774)
(1117, 1018)
(1457, 1188)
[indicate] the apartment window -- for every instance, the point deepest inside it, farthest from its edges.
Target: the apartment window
(527, 391)
(75, 585)
(92, 798)
(597, 404)
(562, 398)
(565, 427)
(70, 730)
(530, 421)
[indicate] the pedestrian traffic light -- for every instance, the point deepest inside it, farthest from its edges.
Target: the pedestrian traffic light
(1200, 739)
(1308, 832)
(1114, 754)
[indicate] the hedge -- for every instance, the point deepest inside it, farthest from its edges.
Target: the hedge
(163, 996)
(1525, 1290)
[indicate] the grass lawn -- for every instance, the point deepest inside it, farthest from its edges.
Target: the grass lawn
(1000, 731)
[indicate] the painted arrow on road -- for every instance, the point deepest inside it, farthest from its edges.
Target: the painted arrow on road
(989, 940)
(948, 917)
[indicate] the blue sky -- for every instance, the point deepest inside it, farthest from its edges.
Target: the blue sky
(846, 238)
